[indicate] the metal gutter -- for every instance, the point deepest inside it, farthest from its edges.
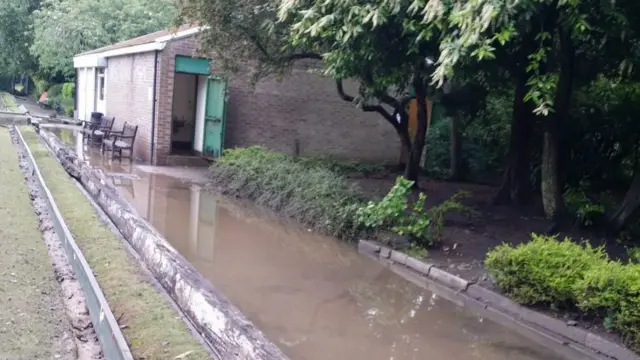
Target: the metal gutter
(114, 345)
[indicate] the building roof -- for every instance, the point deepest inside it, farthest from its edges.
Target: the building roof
(157, 36)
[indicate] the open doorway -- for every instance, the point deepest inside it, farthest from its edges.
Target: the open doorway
(183, 114)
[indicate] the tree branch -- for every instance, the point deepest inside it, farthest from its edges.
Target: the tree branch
(367, 108)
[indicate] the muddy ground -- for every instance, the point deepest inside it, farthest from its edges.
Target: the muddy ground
(467, 239)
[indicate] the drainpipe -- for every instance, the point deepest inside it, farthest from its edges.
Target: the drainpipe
(153, 108)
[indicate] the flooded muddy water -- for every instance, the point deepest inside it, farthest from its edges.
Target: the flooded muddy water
(315, 297)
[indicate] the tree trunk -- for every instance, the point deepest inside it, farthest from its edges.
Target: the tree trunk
(620, 217)
(413, 166)
(405, 143)
(516, 184)
(551, 179)
(457, 168)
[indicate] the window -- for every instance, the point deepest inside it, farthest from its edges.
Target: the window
(101, 84)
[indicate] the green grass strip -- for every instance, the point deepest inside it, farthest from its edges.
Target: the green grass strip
(32, 316)
(153, 329)
(9, 101)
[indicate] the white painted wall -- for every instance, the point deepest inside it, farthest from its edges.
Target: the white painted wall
(101, 105)
(184, 106)
(86, 92)
(90, 103)
(81, 93)
(200, 111)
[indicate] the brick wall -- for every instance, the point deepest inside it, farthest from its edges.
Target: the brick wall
(185, 46)
(128, 84)
(302, 112)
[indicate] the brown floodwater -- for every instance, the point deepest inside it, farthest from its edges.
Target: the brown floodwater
(314, 297)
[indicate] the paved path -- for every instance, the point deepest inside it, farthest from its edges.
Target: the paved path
(35, 110)
(33, 320)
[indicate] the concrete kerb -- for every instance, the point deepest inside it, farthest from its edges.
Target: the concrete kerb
(228, 332)
(568, 335)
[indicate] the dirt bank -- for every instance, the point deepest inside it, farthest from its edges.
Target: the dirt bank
(33, 317)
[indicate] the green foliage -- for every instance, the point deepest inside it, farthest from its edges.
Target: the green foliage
(68, 90)
(346, 168)
(451, 205)
(15, 36)
(547, 271)
(634, 255)
(612, 289)
(41, 85)
(585, 210)
(69, 110)
(315, 196)
(54, 91)
(417, 251)
(394, 212)
(543, 270)
(64, 28)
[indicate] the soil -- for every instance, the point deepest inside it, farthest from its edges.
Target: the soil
(467, 239)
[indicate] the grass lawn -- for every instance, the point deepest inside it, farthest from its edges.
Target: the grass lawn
(33, 319)
(9, 101)
(153, 329)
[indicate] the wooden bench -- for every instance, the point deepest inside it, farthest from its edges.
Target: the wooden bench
(96, 132)
(118, 142)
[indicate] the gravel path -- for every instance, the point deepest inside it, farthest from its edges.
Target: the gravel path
(33, 319)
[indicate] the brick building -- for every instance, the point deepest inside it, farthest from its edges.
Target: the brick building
(184, 111)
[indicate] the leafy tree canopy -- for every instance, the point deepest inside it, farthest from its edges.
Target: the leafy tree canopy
(64, 28)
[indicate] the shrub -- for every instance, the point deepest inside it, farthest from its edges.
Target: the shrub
(69, 110)
(54, 91)
(542, 271)
(612, 289)
(41, 86)
(585, 210)
(577, 276)
(315, 196)
(68, 90)
(393, 212)
(341, 167)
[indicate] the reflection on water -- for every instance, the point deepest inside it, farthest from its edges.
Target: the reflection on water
(314, 297)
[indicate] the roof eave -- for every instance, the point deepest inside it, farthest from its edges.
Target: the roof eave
(99, 59)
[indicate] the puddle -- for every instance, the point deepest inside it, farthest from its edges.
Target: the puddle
(316, 298)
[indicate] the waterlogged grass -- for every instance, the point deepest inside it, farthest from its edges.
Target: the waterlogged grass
(153, 329)
(32, 316)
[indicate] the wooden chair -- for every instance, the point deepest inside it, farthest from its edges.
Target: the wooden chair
(95, 133)
(119, 141)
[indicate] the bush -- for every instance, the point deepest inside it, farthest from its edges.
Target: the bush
(585, 210)
(68, 90)
(41, 86)
(54, 91)
(394, 213)
(612, 290)
(547, 271)
(315, 196)
(543, 270)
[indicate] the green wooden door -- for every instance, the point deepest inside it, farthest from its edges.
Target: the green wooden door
(214, 117)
